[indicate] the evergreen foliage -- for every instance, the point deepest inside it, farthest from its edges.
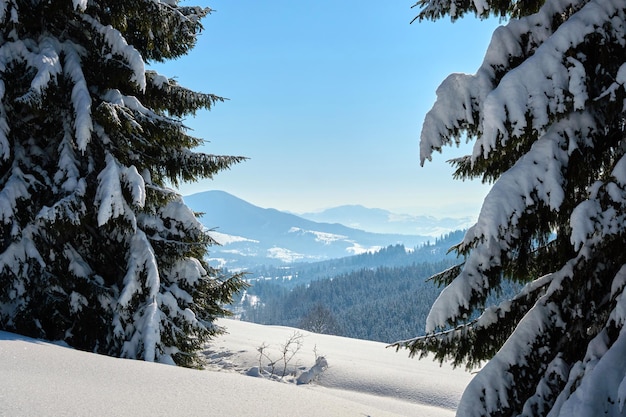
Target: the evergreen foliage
(546, 110)
(96, 250)
(381, 295)
(299, 273)
(383, 303)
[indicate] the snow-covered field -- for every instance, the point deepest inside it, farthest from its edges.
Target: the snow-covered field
(362, 379)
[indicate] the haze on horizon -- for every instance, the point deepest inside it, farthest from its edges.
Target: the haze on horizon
(327, 101)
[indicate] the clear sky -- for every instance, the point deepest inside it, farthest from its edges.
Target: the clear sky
(327, 98)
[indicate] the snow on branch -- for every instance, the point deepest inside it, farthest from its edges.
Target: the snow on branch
(142, 279)
(116, 98)
(603, 213)
(620, 82)
(80, 5)
(135, 184)
(4, 5)
(545, 85)
(537, 177)
(68, 173)
(119, 46)
(16, 256)
(109, 198)
(9, 52)
(45, 58)
(81, 99)
(177, 209)
(458, 344)
(15, 189)
(5, 147)
(593, 220)
(529, 96)
(618, 292)
(453, 111)
(13, 52)
(46, 62)
(489, 392)
(77, 265)
(189, 271)
(70, 208)
(599, 379)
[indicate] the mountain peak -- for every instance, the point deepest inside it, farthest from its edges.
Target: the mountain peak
(253, 235)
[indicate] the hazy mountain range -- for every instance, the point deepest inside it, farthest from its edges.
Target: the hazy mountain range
(251, 235)
(382, 221)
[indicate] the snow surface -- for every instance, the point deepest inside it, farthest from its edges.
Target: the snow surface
(363, 378)
(285, 254)
(226, 239)
(324, 237)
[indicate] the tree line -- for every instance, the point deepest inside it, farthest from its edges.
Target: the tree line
(383, 303)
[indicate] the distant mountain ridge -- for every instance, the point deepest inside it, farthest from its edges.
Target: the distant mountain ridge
(251, 235)
(383, 221)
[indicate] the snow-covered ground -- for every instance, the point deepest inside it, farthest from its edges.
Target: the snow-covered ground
(362, 379)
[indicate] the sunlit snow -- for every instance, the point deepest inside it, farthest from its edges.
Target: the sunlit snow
(357, 249)
(363, 379)
(285, 255)
(226, 239)
(324, 237)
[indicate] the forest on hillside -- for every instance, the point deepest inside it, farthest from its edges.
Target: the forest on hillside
(293, 274)
(383, 304)
(383, 296)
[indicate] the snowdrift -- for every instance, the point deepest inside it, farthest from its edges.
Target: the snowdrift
(363, 378)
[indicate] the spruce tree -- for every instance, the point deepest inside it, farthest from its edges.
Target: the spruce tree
(96, 248)
(546, 114)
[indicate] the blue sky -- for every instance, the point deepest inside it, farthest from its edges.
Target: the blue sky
(326, 98)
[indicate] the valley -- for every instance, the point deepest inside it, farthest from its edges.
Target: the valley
(326, 277)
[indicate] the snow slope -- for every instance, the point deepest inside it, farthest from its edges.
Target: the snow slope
(363, 379)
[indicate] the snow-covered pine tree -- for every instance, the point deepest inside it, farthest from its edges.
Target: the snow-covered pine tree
(96, 250)
(546, 110)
